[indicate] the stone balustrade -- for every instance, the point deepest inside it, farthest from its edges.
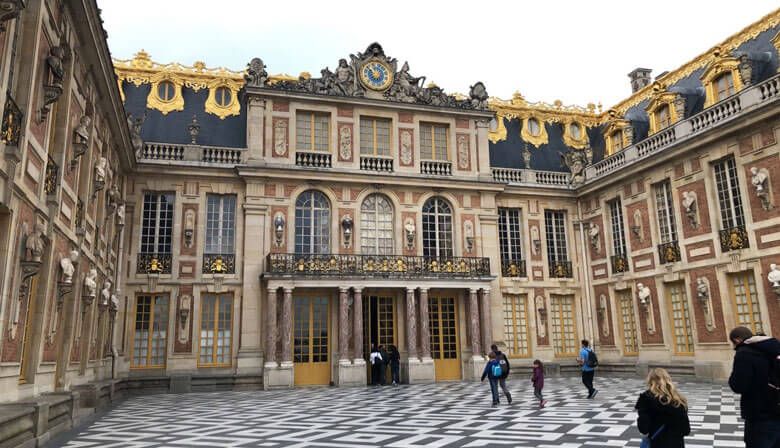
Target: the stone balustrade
(376, 163)
(313, 159)
(436, 167)
(190, 154)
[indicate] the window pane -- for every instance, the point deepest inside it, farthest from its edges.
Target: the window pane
(312, 223)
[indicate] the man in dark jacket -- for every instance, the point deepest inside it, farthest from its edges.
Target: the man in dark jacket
(503, 361)
(750, 379)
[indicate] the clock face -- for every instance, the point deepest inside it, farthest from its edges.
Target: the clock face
(376, 75)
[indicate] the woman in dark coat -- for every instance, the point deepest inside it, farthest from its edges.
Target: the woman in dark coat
(663, 412)
(395, 364)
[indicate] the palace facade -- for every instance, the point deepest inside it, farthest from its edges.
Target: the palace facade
(172, 227)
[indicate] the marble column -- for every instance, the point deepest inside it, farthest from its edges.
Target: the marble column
(411, 324)
(425, 333)
(344, 324)
(357, 328)
(474, 323)
(270, 326)
(487, 334)
(287, 327)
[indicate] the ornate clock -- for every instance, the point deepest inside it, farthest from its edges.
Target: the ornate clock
(376, 75)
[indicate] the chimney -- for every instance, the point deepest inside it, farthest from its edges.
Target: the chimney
(640, 77)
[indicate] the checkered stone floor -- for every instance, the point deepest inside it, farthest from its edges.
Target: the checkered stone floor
(454, 414)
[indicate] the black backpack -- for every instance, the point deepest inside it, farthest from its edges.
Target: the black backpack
(774, 384)
(593, 360)
(504, 364)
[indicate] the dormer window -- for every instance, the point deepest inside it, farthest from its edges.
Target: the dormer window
(663, 117)
(533, 127)
(618, 133)
(723, 77)
(615, 143)
(165, 95)
(575, 130)
(665, 108)
(165, 91)
(574, 135)
(222, 100)
(724, 86)
(534, 132)
(223, 96)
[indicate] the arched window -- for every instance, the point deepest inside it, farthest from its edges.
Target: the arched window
(312, 223)
(724, 86)
(223, 96)
(437, 228)
(376, 226)
(165, 90)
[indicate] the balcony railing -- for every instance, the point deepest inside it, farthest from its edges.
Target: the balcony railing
(153, 263)
(313, 159)
(191, 154)
(513, 268)
(619, 263)
(51, 180)
(560, 269)
(436, 167)
(391, 266)
(669, 252)
(376, 163)
(734, 238)
(219, 263)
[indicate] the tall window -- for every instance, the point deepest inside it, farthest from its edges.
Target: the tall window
(662, 117)
(215, 330)
(615, 142)
(516, 332)
(729, 198)
(509, 234)
(618, 231)
(375, 136)
(628, 324)
(220, 224)
(665, 209)
(151, 331)
(312, 131)
(724, 86)
(433, 141)
(748, 312)
(437, 228)
(376, 226)
(157, 223)
(681, 318)
(312, 223)
(555, 232)
(564, 329)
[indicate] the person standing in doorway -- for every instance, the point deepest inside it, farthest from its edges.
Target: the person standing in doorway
(385, 363)
(493, 373)
(756, 377)
(662, 412)
(587, 361)
(377, 365)
(537, 379)
(395, 364)
(503, 361)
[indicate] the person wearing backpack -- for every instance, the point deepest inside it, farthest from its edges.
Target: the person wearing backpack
(377, 365)
(493, 373)
(503, 361)
(588, 361)
(756, 377)
(662, 413)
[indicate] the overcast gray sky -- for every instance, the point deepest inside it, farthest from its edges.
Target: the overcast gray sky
(575, 51)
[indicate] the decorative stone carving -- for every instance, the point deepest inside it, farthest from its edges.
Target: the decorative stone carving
(603, 317)
(256, 76)
(185, 304)
(135, 125)
(645, 300)
(80, 140)
(760, 180)
(67, 266)
(478, 96)
(526, 154)
(593, 233)
(463, 151)
(120, 214)
(410, 230)
(9, 10)
(345, 142)
(690, 206)
(588, 155)
(575, 161)
(468, 233)
(679, 106)
(346, 230)
(194, 129)
(536, 242)
(114, 303)
(105, 293)
(101, 167)
(189, 227)
(774, 278)
(90, 284)
(114, 198)
(745, 68)
(407, 154)
(636, 227)
(35, 243)
(279, 230)
(52, 88)
(703, 294)
(280, 137)
(541, 315)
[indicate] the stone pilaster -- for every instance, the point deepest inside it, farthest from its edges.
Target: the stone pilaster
(357, 329)
(411, 325)
(425, 333)
(250, 358)
(255, 128)
(286, 327)
(270, 332)
(343, 325)
(474, 324)
(487, 334)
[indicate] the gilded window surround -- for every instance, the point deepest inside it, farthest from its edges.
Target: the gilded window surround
(154, 101)
(723, 63)
(569, 140)
(617, 124)
(233, 108)
(662, 97)
(499, 134)
(776, 43)
(538, 139)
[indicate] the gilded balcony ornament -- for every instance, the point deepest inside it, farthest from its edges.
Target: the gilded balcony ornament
(50, 180)
(11, 129)
(733, 238)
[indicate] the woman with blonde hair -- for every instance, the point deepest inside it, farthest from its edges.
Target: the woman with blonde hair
(663, 412)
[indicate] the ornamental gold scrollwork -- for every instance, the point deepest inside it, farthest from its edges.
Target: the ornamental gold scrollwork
(722, 63)
(233, 107)
(165, 105)
(661, 98)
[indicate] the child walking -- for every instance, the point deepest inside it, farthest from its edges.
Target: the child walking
(493, 373)
(538, 381)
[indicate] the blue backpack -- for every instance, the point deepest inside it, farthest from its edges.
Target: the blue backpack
(496, 370)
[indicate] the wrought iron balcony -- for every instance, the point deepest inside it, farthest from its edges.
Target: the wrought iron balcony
(219, 263)
(513, 268)
(619, 263)
(154, 263)
(392, 266)
(669, 252)
(50, 181)
(560, 269)
(734, 238)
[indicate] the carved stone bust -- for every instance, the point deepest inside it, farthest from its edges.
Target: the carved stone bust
(702, 289)
(643, 292)
(593, 233)
(35, 243)
(106, 293)
(67, 266)
(774, 275)
(90, 283)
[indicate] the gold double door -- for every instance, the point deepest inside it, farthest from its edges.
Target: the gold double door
(443, 326)
(311, 340)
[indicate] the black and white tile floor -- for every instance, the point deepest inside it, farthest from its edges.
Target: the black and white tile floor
(453, 414)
